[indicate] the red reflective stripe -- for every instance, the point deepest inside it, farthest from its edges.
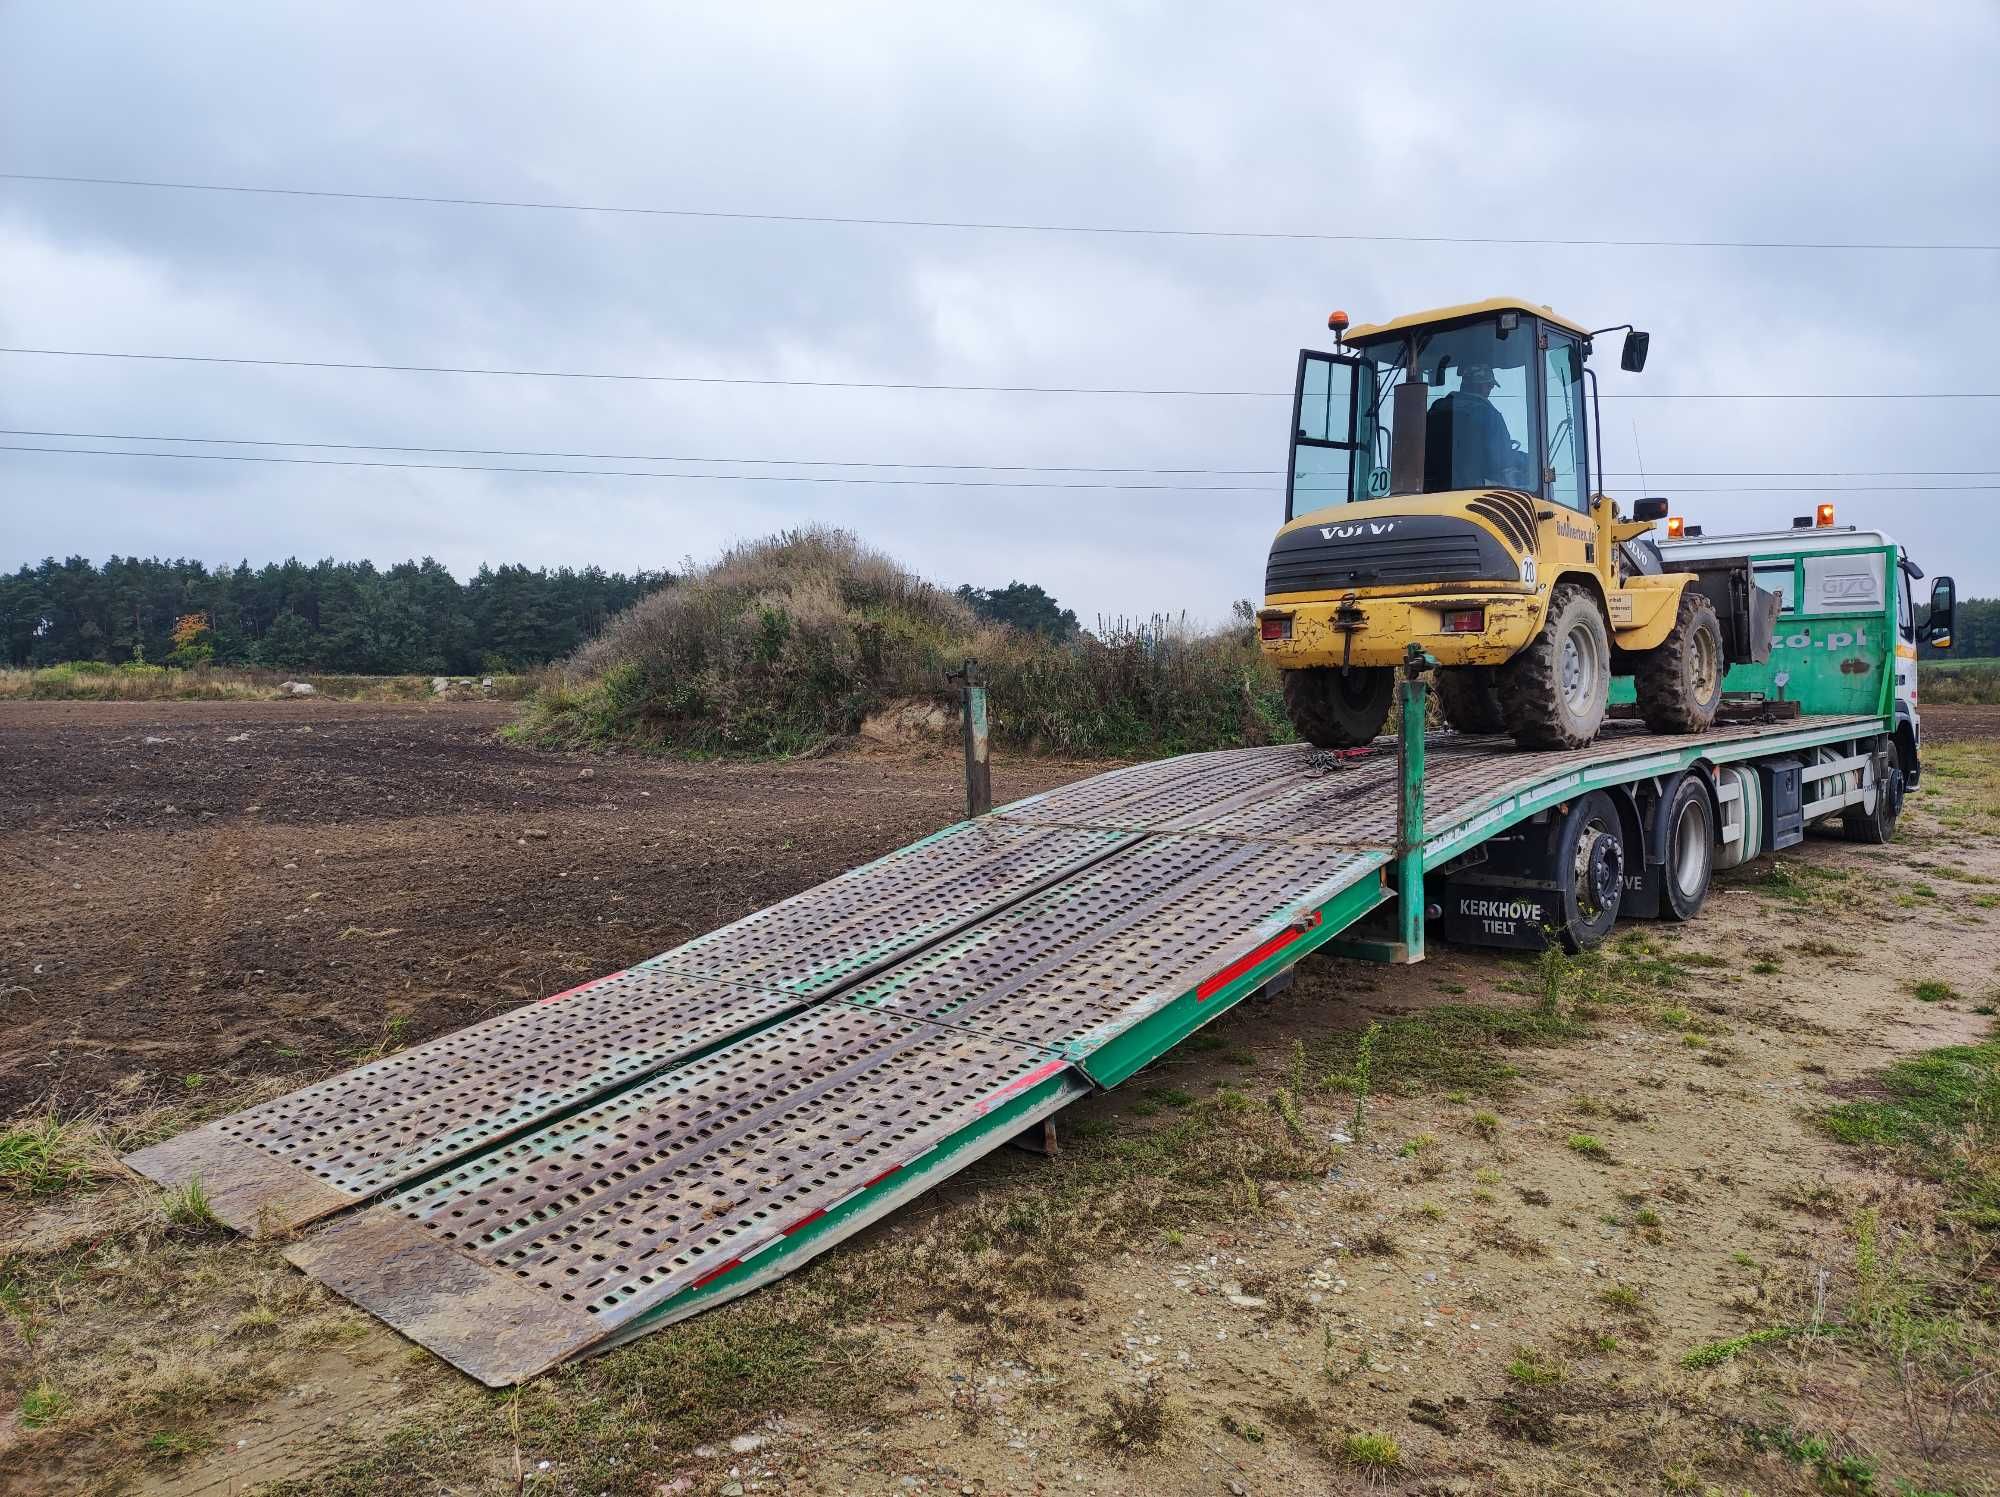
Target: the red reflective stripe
(806, 1221)
(881, 1177)
(1021, 1083)
(1243, 964)
(572, 992)
(716, 1272)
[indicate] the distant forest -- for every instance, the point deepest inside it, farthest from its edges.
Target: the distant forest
(339, 617)
(1976, 631)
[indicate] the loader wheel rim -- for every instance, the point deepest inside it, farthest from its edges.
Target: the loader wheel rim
(1705, 665)
(1579, 669)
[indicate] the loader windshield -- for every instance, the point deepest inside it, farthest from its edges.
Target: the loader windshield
(1478, 380)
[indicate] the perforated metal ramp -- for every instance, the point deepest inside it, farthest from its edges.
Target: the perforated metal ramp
(353, 1136)
(563, 1177)
(757, 1156)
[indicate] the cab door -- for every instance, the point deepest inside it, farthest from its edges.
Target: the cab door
(1324, 442)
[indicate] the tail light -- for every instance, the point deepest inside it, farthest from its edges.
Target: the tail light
(1279, 628)
(1465, 621)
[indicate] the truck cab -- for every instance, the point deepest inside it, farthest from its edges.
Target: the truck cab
(1842, 590)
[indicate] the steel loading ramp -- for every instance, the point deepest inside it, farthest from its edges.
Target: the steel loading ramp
(574, 1173)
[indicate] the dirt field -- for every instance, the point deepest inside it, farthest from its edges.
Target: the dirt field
(1238, 1276)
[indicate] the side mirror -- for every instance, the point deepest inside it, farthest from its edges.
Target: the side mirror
(1632, 358)
(1649, 509)
(1944, 605)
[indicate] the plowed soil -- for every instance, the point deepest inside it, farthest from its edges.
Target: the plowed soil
(221, 891)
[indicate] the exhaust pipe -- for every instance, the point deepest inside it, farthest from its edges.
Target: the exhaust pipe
(1406, 445)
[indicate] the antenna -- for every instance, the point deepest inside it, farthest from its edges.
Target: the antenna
(1643, 484)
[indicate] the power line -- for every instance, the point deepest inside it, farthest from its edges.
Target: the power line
(850, 384)
(945, 483)
(643, 457)
(929, 483)
(812, 462)
(1129, 230)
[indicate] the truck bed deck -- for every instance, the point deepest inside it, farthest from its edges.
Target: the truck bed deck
(578, 1171)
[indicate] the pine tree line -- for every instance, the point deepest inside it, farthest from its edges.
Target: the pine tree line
(334, 616)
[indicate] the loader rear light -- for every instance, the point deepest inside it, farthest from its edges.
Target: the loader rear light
(1465, 621)
(1276, 629)
(1823, 515)
(1676, 526)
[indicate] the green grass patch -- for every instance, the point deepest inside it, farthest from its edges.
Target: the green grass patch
(42, 1157)
(1456, 1047)
(1369, 1451)
(1715, 1353)
(1934, 992)
(1941, 1110)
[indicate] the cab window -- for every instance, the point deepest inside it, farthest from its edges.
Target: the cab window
(1780, 577)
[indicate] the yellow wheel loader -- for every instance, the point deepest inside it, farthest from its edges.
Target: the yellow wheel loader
(1441, 493)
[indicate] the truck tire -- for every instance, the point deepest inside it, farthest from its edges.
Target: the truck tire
(1679, 680)
(1333, 708)
(1469, 699)
(1878, 824)
(1689, 824)
(1553, 694)
(1589, 871)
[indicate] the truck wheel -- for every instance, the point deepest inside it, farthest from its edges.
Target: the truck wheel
(1589, 871)
(1690, 850)
(1333, 708)
(1469, 698)
(1554, 692)
(1679, 680)
(1878, 824)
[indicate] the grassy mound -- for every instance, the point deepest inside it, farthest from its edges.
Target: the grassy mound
(785, 643)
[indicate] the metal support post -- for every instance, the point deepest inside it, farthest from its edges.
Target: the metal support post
(978, 769)
(1413, 692)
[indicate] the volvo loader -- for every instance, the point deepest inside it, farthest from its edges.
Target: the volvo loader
(1442, 492)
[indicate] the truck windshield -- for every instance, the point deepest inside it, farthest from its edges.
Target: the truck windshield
(1477, 393)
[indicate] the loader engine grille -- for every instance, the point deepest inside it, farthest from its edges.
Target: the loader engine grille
(1384, 551)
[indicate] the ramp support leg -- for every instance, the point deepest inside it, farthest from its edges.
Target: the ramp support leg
(978, 768)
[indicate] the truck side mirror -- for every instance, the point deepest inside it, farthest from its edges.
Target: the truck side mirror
(1649, 509)
(1944, 605)
(1632, 358)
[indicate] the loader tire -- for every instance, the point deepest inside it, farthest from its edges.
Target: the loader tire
(1469, 698)
(1553, 694)
(1679, 680)
(1333, 708)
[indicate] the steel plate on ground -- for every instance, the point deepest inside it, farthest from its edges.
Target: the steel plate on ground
(842, 930)
(568, 1233)
(1084, 961)
(352, 1136)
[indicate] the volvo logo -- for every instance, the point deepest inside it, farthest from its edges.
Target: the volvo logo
(1349, 532)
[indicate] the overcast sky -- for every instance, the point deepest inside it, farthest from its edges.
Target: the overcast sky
(1790, 121)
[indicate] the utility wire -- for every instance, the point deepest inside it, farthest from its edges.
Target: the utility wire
(851, 384)
(644, 457)
(810, 462)
(855, 220)
(945, 483)
(933, 483)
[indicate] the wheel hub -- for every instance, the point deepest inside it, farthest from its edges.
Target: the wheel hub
(1600, 869)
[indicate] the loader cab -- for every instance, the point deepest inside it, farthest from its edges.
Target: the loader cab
(1485, 396)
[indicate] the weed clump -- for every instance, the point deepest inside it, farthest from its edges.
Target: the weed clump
(1133, 1423)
